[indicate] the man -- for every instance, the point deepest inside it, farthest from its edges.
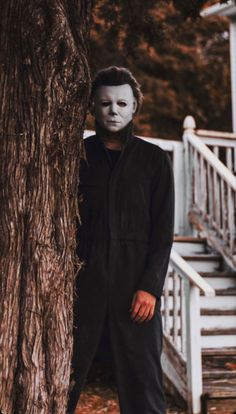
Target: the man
(126, 201)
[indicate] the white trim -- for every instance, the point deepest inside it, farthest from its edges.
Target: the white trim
(215, 134)
(232, 28)
(219, 142)
(228, 9)
(167, 145)
(88, 133)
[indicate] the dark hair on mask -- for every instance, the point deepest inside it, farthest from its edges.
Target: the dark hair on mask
(115, 76)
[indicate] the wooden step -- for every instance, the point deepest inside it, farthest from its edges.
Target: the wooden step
(218, 331)
(220, 388)
(211, 331)
(220, 302)
(218, 404)
(218, 322)
(220, 280)
(219, 352)
(204, 257)
(219, 341)
(190, 239)
(189, 245)
(218, 312)
(220, 274)
(224, 292)
(219, 292)
(223, 359)
(218, 374)
(189, 248)
(206, 312)
(224, 392)
(207, 262)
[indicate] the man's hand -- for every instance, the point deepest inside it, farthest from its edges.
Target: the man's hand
(142, 307)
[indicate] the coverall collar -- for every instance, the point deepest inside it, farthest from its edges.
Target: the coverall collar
(125, 134)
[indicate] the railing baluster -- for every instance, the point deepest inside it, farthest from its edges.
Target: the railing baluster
(229, 158)
(195, 174)
(210, 194)
(201, 183)
(216, 151)
(175, 308)
(216, 184)
(182, 316)
(231, 218)
(203, 189)
(223, 209)
(167, 304)
(234, 153)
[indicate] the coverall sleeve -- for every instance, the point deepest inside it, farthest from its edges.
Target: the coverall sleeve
(162, 227)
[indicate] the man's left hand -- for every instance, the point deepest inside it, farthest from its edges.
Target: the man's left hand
(143, 306)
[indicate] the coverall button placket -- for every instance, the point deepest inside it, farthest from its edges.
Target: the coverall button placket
(112, 183)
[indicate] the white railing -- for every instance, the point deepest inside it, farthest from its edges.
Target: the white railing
(211, 188)
(181, 321)
(222, 144)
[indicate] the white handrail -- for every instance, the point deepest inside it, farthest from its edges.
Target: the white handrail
(167, 145)
(188, 272)
(218, 141)
(215, 134)
(221, 169)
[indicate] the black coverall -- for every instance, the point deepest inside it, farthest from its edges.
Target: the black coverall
(125, 238)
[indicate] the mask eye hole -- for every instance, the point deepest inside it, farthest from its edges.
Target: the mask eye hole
(122, 104)
(105, 103)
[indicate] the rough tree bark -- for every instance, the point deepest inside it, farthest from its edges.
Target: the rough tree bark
(44, 87)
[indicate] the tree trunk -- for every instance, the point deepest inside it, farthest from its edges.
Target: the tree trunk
(44, 87)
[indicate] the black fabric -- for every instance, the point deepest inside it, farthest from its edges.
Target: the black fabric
(125, 238)
(114, 156)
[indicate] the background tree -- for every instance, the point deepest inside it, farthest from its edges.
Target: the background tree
(182, 61)
(44, 86)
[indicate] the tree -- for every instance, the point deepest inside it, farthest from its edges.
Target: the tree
(44, 91)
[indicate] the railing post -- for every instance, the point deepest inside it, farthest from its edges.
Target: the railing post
(179, 177)
(194, 357)
(189, 126)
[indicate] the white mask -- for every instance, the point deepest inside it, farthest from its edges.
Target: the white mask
(114, 106)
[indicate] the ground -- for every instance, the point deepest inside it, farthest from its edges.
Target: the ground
(100, 397)
(97, 400)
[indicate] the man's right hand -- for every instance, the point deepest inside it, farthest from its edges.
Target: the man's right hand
(143, 306)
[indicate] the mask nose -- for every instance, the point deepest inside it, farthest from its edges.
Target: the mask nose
(113, 109)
